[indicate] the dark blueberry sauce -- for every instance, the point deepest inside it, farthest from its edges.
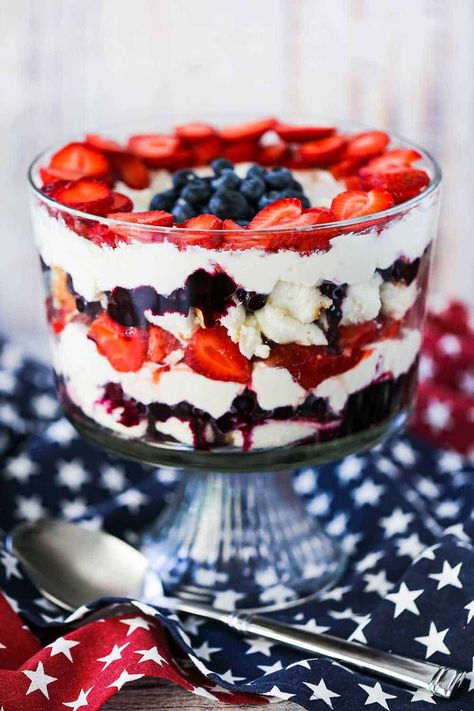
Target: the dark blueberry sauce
(401, 270)
(337, 293)
(132, 413)
(252, 300)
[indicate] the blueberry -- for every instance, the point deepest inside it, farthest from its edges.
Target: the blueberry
(279, 178)
(229, 204)
(256, 170)
(221, 164)
(196, 192)
(164, 200)
(182, 178)
(296, 185)
(252, 188)
(227, 179)
(183, 211)
(268, 198)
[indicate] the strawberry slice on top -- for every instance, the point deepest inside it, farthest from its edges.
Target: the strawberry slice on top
(322, 152)
(403, 183)
(280, 212)
(160, 218)
(120, 203)
(357, 203)
(195, 132)
(125, 348)
(106, 145)
(82, 159)
(247, 132)
(200, 232)
(86, 194)
(155, 148)
(395, 158)
(131, 169)
(212, 353)
(302, 134)
(367, 144)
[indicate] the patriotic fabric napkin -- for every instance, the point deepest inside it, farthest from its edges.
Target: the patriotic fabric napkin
(403, 512)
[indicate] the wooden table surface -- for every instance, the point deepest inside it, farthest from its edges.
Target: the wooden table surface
(164, 696)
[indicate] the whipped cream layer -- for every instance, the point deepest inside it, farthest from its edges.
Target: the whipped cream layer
(352, 259)
(86, 373)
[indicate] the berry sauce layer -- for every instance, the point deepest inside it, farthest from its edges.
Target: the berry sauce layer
(206, 290)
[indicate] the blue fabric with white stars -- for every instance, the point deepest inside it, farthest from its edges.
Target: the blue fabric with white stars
(404, 513)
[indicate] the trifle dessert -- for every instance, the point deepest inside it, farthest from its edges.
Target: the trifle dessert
(236, 288)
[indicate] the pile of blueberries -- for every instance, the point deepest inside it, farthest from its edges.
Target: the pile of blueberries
(225, 194)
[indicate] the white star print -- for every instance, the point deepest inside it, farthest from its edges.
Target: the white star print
(335, 593)
(200, 691)
(278, 694)
(74, 509)
(397, 522)
(10, 563)
(470, 610)
(376, 695)
(426, 369)
(302, 663)
(410, 546)
(427, 488)
(312, 626)
(113, 478)
(151, 655)
(125, 678)
(428, 553)
(21, 468)
(45, 406)
(368, 493)
(437, 416)
(470, 676)
(80, 701)
(448, 576)
(467, 383)
(404, 600)
(226, 600)
(448, 508)
(39, 681)
(404, 453)
(61, 432)
(321, 692)
(29, 508)
(62, 646)
(133, 499)
(271, 668)
(350, 469)
(7, 382)
(368, 561)
(358, 634)
(346, 614)
(378, 583)
(277, 594)
(386, 466)
(71, 474)
(115, 654)
(450, 462)
(449, 344)
(422, 695)
(350, 542)
(192, 625)
(230, 678)
(320, 504)
(434, 641)
(305, 482)
(338, 525)
(205, 651)
(259, 646)
(13, 603)
(135, 623)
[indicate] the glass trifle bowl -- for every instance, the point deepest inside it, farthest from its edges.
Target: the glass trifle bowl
(236, 303)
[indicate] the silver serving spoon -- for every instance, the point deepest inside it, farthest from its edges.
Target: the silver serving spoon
(72, 566)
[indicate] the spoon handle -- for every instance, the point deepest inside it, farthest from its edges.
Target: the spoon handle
(440, 681)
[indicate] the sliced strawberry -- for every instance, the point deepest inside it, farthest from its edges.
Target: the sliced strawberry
(131, 170)
(120, 203)
(202, 222)
(195, 132)
(231, 225)
(101, 235)
(151, 217)
(247, 131)
(302, 134)
(367, 144)
(353, 182)
(205, 151)
(204, 234)
(86, 194)
(273, 154)
(358, 335)
(106, 145)
(310, 365)
(356, 203)
(52, 175)
(160, 344)
(402, 183)
(155, 148)
(82, 159)
(396, 158)
(212, 354)
(124, 348)
(322, 152)
(280, 212)
(241, 151)
(345, 167)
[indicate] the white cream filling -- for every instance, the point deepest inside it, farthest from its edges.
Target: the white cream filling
(243, 329)
(397, 299)
(181, 326)
(278, 434)
(362, 301)
(352, 259)
(390, 357)
(275, 387)
(178, 429)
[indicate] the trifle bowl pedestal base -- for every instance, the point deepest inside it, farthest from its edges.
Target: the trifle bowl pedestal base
(240, 541)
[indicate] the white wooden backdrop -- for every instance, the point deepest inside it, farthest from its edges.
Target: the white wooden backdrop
(67, 65)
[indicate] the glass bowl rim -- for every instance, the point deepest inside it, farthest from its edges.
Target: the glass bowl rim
(356, 222)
